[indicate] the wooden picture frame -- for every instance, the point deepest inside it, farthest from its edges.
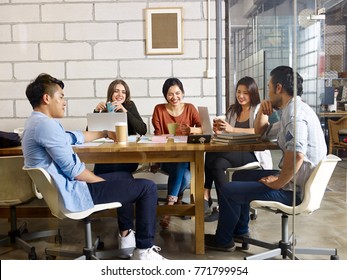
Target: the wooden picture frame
(164, 31)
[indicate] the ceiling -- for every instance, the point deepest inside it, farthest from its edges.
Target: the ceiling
(336, 13)
(336, 10)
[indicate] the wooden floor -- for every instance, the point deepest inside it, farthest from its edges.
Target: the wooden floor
(327, 227)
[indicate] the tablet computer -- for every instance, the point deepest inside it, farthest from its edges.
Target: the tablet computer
(199, 138)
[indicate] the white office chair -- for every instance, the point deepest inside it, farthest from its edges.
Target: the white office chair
(49, 191)
(313, 195)
(16, 188)
(247, 166)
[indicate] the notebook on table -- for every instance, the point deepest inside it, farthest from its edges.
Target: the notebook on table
(104, 121)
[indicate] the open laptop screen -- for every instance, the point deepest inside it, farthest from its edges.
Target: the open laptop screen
(104, 121)
(205, 120)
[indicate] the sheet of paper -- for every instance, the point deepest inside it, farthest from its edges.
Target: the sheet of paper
(180, 139)
(152, 139)
(89, 144)
(103, 140)
(132, 138)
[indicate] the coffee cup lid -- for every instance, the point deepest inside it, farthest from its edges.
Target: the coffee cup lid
(120, 123)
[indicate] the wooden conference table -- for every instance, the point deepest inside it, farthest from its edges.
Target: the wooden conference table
(169, 152)
(337, 114)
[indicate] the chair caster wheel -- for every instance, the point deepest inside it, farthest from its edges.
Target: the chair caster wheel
(58, 239)
(101, 245)
(32, 256)
(245, 246)
(253, 217)
(50, 257)
(335, 257)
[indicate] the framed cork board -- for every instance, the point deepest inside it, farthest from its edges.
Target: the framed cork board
(164, 31)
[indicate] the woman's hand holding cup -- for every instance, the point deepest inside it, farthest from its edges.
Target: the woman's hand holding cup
(185, 129)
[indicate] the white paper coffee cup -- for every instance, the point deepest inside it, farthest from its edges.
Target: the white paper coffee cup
(121, 132)
(221, 117)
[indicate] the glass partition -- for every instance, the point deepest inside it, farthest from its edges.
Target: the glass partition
(274, 33)
(267, 41)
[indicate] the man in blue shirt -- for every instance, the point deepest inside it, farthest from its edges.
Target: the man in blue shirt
(46, 144)
(301, 139)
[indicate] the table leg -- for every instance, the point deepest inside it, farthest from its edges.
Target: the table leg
(198, 191)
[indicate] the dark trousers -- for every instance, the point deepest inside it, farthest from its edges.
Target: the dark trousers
(101, 168)
(122, 187)
(234, 199)
(217, 163)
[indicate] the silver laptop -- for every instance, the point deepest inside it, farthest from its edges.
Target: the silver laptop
(206, 126)
(104, 121)
(205, 120)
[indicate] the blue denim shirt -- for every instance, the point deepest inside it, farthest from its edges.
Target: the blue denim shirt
(46, 144)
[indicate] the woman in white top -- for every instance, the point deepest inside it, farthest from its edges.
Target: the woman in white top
(239, 119)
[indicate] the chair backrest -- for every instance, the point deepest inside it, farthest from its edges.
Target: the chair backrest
(15, 185)
(313, 192)
(50, 194)
(333, 128)
(47, 188)
(316, 185)
(248, 166)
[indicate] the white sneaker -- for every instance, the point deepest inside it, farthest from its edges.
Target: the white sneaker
(127, 242)
(148, 254)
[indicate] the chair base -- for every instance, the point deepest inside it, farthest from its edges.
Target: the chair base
(19, 236)
(284, 247)
(89, 252)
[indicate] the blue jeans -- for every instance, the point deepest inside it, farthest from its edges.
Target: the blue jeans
(234, 199)
(122, 187)
(179, 178)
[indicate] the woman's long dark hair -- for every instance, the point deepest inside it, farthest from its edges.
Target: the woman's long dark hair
(111, 87)
(253, 91)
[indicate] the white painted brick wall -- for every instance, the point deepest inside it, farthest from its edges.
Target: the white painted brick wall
(5, 33)
(23, 108)
(18, 52)
(131, 31)
(66, 12)
(146, 68)
(30, 70)
(65, 51)
(119, 50)
(87, 44)
(79, 88)
(120, 11)
(91, 31)
(91, 69)
(80, 107)
(13, 90)
(6, 108)
(189, 68)
(19, 13)
(5, 71)
(37, 32)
